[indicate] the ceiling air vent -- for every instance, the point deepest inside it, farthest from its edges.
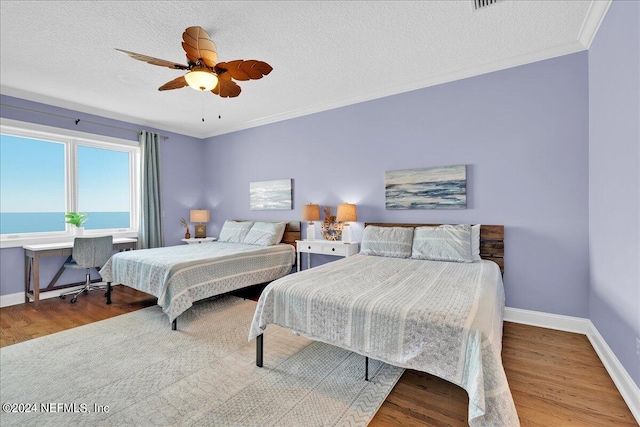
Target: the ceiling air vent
(479, 4)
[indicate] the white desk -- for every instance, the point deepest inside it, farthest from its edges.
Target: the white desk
(324, 247)
(33, 253)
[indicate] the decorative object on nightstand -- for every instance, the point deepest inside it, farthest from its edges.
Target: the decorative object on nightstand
(199, 216)
(311, 213)
(331, 230)
(347, 212)
(183, 222)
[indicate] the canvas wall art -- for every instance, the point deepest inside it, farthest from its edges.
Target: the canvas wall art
(430, 188)
(270, 195)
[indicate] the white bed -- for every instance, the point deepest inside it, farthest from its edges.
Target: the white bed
(443, 318)
(180, 275)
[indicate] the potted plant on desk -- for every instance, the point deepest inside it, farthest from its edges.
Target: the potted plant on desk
(76, 219)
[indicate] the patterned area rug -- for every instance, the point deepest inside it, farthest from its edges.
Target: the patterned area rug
(133, 370)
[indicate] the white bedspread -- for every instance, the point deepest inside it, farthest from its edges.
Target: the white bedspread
(443, 318)
(181, 275)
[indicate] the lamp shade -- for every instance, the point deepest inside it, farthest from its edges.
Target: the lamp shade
(311, 213)
(201, 79)
(346, 213)
(199, 215)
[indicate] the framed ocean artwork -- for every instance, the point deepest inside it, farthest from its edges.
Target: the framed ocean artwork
(442, 187)
(270, 195)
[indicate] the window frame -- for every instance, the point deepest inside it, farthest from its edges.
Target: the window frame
(71, 140)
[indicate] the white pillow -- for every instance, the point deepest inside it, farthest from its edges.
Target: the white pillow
(443, 243)
(234, 231)
(265, 233)
(475, 242)
(393, 242)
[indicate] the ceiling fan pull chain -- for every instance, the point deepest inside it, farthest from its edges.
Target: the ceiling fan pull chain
(202, 104)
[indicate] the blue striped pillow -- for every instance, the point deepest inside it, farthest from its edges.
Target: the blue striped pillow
(393, 242)
(234, 231)
(443, 243)
(265, 233)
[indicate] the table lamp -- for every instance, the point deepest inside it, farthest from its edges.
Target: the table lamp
(346, 213)
(199, 216)
(311, 213)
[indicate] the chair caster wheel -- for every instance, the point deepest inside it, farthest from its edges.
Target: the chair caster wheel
(73, 300)
(63, 296)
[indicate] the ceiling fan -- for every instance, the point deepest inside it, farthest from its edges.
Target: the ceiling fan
(204, 73)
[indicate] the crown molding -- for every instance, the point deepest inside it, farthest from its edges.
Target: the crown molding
(541, 55)
(591, 24)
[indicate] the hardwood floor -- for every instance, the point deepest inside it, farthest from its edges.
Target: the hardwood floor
(555, 377)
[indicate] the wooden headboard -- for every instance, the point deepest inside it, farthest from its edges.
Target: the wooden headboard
(292, 231)
(491, 240)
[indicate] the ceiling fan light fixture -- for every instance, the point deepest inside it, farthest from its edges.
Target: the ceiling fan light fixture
(201, 80)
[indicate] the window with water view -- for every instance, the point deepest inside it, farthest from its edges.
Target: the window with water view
(42, 178)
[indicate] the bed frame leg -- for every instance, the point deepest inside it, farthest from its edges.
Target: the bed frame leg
(259, 350)
(174, 324)
(108, 293)
(366, 368)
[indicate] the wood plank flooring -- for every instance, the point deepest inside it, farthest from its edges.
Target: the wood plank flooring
(555, 377)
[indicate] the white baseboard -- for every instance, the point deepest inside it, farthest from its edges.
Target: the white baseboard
(18, 298)
(621, 378)
(626, 386)
(547, 320)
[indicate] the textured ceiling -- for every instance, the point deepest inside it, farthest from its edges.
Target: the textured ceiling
(325, 54)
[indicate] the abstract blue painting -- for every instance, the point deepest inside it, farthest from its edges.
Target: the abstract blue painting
(270, 195)
(430, 188)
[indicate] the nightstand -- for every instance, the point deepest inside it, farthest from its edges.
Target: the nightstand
(324, 247)
(202, 240)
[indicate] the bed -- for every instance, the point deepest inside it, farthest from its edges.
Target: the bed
(436, 316)
(248, 253)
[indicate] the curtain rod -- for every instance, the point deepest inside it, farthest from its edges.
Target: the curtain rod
(76, 120)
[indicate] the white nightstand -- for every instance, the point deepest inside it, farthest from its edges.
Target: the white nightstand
(325, 247)
(202, 240)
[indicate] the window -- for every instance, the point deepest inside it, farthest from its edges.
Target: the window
(45, 172)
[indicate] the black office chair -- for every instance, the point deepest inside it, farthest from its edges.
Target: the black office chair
(88, 253)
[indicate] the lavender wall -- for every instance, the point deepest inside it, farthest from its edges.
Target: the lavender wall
(181, 180)
(614, 182)
(523, 132)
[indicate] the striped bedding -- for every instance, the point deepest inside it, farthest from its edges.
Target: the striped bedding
(181, 275)
(444, 318)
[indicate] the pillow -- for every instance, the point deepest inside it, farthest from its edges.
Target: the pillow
(475, 242)
(265, 233)
(234, 231)
(393, 242)
(443, 243)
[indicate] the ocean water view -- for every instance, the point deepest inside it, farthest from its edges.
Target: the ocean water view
(40, 222)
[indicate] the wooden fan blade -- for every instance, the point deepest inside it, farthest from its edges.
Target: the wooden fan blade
(226, 87)
(154, 61)
(199, 46)
(245, 70)
(174, 84)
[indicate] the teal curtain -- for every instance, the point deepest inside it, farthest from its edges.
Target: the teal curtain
(150, 233)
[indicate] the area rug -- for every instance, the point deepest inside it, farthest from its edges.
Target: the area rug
(134, 370)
